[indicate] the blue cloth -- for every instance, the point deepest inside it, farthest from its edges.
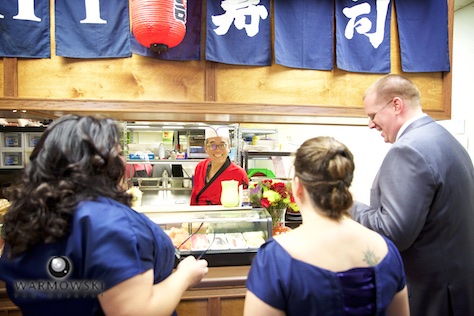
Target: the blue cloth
(427, 49)
(189, 48)
(363, 35)
(109, 243)
(24, 30)
(239, 33)
(92, 30)
(299, 288)
(303, 34)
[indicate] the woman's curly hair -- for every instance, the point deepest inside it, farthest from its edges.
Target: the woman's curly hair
(77, 158)
(326, 168)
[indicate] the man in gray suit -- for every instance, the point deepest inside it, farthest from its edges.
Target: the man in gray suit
(423, 200)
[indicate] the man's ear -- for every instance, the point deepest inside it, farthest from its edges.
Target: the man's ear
(399, 105)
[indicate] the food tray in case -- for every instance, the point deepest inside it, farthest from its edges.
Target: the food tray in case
(227, 236)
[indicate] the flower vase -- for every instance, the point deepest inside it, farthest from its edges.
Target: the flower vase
(278, 220)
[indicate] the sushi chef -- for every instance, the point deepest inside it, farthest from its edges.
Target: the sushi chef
(218, 167)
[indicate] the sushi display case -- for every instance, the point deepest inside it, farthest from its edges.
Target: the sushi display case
(223, 236)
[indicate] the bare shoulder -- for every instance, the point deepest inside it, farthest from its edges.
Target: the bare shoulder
(287, 238)
(374, 249)
(293, 241)
(336, 248)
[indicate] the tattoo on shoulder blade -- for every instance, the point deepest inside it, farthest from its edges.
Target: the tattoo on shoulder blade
(370, 258)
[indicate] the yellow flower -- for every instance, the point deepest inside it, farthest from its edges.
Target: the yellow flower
(271, 196)
(271, 193)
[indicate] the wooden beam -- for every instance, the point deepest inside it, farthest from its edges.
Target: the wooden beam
(213, 112)
(210, 93)
(448, 76)
(10, 77)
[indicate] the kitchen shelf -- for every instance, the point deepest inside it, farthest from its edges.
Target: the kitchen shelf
(16, 145)
(161, 161)
(247, 155)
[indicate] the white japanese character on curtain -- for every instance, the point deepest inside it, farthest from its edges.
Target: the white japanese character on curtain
(237, 11)
(363, 25)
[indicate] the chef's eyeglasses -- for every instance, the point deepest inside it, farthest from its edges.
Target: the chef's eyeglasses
(215, 146)
(372, 116)
(177, 250)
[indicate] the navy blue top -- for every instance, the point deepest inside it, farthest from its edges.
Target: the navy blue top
(299, 288)
(108, 244)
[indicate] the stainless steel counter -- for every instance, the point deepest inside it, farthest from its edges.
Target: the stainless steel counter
(166, 197)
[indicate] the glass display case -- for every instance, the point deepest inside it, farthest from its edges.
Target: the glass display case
(223, 236)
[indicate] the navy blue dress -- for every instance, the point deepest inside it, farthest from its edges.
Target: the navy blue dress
(108, 244)
(299, 288)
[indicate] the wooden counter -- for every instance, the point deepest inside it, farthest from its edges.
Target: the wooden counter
(221, 292)
(7, 308)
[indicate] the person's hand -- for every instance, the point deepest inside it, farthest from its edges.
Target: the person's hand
(195, 269)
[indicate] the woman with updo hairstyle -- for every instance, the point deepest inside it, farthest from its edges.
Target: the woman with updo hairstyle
(325, 168)
(330, 264)
(73, 245)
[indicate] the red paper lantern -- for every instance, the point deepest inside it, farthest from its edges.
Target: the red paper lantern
(159, 24)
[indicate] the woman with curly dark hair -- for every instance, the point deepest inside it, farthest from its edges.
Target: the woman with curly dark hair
(73, 245)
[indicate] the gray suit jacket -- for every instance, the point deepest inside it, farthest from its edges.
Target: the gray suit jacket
(423, 200)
